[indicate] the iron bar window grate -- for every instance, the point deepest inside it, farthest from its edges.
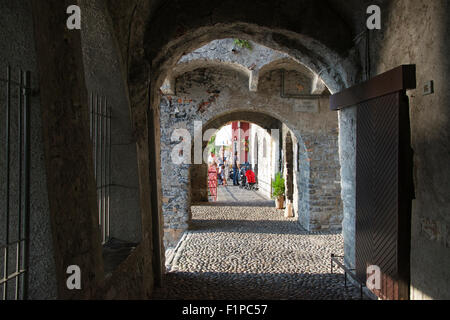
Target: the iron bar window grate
(15, 176)
(100, 133)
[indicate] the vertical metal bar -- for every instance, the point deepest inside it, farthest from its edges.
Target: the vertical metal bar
(7, 146)
(26, 209)
(109, 170)
(103, 171)
(94, 136)
(97, 155)
(101, 166)
(105, 146)
(91, 115)
(19, 159)
(106, 168)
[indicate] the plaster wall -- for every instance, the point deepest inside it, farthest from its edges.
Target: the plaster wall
(413, 32)
(416, 32)
(261, 140)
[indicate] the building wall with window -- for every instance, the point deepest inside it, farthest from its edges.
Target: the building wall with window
(262, 150)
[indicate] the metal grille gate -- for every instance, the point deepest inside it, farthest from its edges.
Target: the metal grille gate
(15, 203)
(384, 186)
(100, 132)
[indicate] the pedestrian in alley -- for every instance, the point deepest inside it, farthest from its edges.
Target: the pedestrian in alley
(220, 174)
(235, 169)
(212, 180)
(226, 173)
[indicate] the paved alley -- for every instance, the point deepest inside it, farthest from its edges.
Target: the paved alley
(248, 252)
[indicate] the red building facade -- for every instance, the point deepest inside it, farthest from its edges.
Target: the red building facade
(241, 137)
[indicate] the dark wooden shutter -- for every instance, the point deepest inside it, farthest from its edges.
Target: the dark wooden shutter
(383, 178)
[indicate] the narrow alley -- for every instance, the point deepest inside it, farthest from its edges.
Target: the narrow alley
(252, 251)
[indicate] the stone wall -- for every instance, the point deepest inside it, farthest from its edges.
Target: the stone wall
(427, 24)
(17, 48)
(325, 181)
(347, 154)
(317, 202)
(135, 276)
(208, 94)
(414, 31)
(161, 35)
(250, 61)
(104, 77)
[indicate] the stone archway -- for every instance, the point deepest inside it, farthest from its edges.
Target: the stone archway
(316, 48)
(265, 121)
(153, 35)
(225, 97)
(191, 181)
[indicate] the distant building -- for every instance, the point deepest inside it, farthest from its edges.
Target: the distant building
(240, 136)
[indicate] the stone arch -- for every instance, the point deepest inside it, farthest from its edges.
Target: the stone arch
(154, 36)
(253, 62)
(333, 63)
(327, 52)
(228, 101)
(340, 75)
(170, 82)
(267, 121)
(287, 63)
(323, 50)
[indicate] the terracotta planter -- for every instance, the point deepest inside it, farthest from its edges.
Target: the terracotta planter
(288, 212)
(279, 202)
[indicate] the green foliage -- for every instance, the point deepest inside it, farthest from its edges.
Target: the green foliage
(243, 44)
(212, 144)
(278, 186)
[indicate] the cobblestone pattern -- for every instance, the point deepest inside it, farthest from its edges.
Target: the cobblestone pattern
(253, 253)
(234, 196)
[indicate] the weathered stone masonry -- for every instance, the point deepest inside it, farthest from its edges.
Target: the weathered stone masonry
(208, 94)
(152, 35)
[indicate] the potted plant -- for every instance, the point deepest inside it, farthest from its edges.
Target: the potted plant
(278, 186)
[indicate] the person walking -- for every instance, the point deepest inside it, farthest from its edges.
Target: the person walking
(226, 173)
(220, 174)
(212, 180)
(235, 169)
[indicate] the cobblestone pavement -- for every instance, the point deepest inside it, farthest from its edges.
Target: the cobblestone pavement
(235, 196)
(253, 253)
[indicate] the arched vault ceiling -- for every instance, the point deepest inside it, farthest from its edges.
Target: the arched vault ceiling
(253, 63)
(166, 30)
